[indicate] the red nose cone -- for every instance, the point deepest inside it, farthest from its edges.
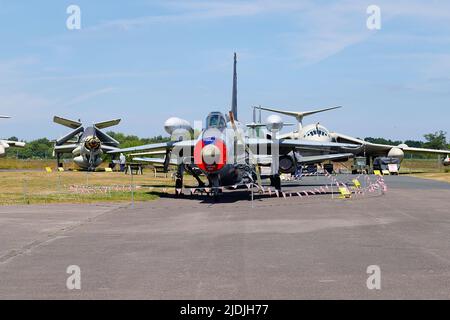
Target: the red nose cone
(210, 157)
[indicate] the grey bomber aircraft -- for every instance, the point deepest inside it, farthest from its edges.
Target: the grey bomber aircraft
(5, 144)
(227, 153)
(87, 144)
(317, 132)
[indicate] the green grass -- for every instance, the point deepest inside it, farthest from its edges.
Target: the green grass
(61, 187)
(39, 187)
(6, 163)
(444, 177)
(422, 166)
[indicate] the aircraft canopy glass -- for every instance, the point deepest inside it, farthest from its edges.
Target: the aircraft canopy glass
(216, 120)
(316, 132)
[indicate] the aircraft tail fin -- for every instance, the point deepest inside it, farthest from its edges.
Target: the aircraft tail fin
(234, 94)
(298, 114)
(67, 122)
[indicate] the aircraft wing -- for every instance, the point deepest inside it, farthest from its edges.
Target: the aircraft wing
(106, 138)
(65, 148)
(67, 122)
(382, 149)
(107, 124)
(148, 153)
(108, 148)
(423, 150)
(304, 144)
(321, 158)
(17, 144)
(164, 146)
(307, 144)
(155, 161)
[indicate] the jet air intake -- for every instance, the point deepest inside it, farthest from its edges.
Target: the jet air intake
(210, 155)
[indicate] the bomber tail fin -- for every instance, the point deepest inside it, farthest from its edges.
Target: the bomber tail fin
(298, 114)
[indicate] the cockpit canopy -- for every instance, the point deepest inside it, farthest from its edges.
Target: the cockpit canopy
(317, 131)
(216, 120)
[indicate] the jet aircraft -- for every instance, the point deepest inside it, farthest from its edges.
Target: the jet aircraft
(229, 154)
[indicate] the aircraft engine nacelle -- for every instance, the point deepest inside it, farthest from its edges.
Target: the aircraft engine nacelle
(287, 164)
(2, 151)
(177, 126)
(396, 153)
(274, 123)
(76, 151)
(80, 161)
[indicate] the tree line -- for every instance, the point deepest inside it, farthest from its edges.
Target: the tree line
(43, 148)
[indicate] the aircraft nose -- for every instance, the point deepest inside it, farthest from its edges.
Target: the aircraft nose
(211, 154)
(210, 157)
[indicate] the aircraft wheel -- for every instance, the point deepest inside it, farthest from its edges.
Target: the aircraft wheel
(275, 181)
(216, 194)
(178, 186)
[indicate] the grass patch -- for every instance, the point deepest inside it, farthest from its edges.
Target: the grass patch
(80, 187)
(30, 164)
(422, 166)
(444, 177)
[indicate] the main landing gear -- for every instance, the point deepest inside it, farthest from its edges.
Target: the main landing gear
(275, 181)
(179, 181)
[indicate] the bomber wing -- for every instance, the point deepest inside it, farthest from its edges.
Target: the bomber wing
(289, 144)
(423, 150)
(381, 149)
(321, 158)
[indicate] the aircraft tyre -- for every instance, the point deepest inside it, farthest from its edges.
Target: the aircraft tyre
(275, 181)
(178, 186)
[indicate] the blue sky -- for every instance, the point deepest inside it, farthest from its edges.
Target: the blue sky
(145, 61)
